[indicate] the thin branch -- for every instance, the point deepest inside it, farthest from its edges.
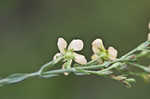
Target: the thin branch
(92, 67)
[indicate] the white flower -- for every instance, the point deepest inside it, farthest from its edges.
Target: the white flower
(97, 45)
(99, 50)
(75, 45)
(112, 52)
(80, 58)
(62, 44)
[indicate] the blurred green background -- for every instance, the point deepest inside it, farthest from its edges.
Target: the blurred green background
(28, 34)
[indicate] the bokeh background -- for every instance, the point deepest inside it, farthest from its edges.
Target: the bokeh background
(28, 34)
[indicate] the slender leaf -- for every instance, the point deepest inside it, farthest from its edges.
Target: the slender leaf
(14, 78)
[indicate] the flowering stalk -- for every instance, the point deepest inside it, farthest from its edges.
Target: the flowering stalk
(104, 62)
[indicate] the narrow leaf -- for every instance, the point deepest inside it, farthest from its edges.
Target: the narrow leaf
(14, 78)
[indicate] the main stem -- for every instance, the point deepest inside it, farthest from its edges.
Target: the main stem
(100, 69)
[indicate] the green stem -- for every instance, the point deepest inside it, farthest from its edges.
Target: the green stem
(129, 53)
(50, 64)
(140, 47)
(146, 69)
(90, 67)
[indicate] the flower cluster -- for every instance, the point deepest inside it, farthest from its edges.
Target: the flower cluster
(104, 62)
(70, 52)
(101, 54)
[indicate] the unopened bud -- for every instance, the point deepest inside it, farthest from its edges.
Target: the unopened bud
(131, 80)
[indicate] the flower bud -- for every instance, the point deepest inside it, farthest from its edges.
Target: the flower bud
(97, 44)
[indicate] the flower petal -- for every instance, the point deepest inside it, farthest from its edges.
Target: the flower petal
(62, 44)
(56, 56)
(76, 45)
(80, 59)
(95, 49)
(112, 53)
(97, 44)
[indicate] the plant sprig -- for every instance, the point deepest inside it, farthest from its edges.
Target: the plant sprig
(104, 62)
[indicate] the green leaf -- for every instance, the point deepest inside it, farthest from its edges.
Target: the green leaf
(50, 64)
(87, 72)
(80, 74)
(14, 78)
(104, 73)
